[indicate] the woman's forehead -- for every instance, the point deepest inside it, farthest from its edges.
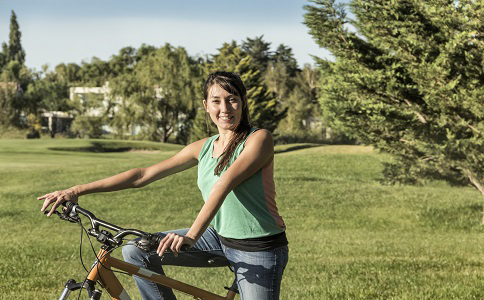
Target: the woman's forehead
(217, 90)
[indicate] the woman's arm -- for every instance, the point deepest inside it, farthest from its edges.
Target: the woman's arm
(134, 178)
(258, 151)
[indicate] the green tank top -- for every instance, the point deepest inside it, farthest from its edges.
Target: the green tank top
(249, 211)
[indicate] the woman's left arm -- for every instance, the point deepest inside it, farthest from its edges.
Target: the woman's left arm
(258, 150)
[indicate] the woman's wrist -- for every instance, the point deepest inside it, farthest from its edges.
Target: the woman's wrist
(75, 190)
(191, 236)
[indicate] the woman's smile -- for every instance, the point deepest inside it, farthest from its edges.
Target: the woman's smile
(224, 108)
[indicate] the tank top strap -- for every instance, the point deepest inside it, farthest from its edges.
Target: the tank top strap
(207, 147)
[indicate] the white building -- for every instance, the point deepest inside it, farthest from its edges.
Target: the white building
(83, 94)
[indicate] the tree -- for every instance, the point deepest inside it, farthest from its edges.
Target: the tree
(123, 62)
(302, 103)
(259, 51)
(47, 92)
(15, 50)
(285, 56)
(14, 79)
(68, 74)
(95, 73)
(127, 94)
(278, 81)
(163, 91)
(3, 55)
(409, 81)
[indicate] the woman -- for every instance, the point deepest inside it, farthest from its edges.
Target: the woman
(235, 176)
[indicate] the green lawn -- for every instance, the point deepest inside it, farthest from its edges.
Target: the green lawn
(350, 237)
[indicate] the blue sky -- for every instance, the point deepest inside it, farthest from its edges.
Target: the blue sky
(55, 31)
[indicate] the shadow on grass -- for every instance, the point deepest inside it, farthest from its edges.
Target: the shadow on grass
(103, 147)
(293, 147)
(95, 147)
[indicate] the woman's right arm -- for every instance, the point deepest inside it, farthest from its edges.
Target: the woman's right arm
(134, 178)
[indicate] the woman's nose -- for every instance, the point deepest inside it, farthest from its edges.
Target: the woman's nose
(224, 106)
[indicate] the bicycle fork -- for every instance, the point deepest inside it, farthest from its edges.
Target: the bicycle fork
(72, 285)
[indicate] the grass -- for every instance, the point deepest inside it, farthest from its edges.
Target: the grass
(350, 237)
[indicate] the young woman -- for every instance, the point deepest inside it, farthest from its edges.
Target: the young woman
(235, 176)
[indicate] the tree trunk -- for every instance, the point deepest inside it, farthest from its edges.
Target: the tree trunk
(477, 184)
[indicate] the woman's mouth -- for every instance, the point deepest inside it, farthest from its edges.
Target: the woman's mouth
(226, 118)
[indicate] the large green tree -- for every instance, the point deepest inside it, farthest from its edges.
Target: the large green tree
(408, 81)
(14, 49)
(159, 95)
(47, 92)
(14, 77)
(259, 51)
(95, 72)
(68, 74)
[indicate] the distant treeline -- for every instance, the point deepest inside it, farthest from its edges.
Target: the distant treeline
(156, 92)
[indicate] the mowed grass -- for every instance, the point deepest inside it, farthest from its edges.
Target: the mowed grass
(350, 237)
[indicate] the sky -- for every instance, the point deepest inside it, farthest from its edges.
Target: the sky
(65, 31)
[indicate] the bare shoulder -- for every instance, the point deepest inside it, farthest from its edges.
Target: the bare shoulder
(261, 138)
(194, 148)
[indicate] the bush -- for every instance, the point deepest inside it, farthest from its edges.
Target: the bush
(10, 132)
(84, 126)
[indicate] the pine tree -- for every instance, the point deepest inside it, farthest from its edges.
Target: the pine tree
(409, 81)
(259, 51)
(15, 50)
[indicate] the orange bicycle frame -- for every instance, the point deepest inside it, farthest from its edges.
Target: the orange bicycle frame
(103, 273)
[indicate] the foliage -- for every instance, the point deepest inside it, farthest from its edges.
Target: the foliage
(284, 55)
(95, 73)
(15, 52)
(259, 51)
(126, 93)
(13, 79)
(409, 81)
(46, 92)
(87, 126)
(202, 125)
(165, 84)
(68, 74)
(8, 96)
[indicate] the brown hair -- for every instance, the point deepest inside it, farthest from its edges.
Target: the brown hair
(232, 83)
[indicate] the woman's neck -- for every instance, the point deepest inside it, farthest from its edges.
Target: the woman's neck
(225, 137)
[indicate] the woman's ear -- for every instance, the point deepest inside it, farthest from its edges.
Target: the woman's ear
(205, 105)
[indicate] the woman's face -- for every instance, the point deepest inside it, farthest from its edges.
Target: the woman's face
(225, 109)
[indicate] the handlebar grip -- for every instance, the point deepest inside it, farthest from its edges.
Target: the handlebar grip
(157, 239)
(151, 242)
(185, 247)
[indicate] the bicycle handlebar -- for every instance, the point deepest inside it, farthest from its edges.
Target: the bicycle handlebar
(147, 242)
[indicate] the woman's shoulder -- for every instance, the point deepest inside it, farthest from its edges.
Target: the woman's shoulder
(260, 138)
(260, 134)
(195, 147)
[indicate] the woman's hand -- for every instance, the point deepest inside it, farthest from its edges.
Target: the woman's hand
(57, 197)
(174, 242)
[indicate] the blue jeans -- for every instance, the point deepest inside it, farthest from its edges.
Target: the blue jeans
(258, 274)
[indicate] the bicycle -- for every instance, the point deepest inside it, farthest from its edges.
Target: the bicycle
(102, 271)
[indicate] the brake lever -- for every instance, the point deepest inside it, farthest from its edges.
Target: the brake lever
(72, 217)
